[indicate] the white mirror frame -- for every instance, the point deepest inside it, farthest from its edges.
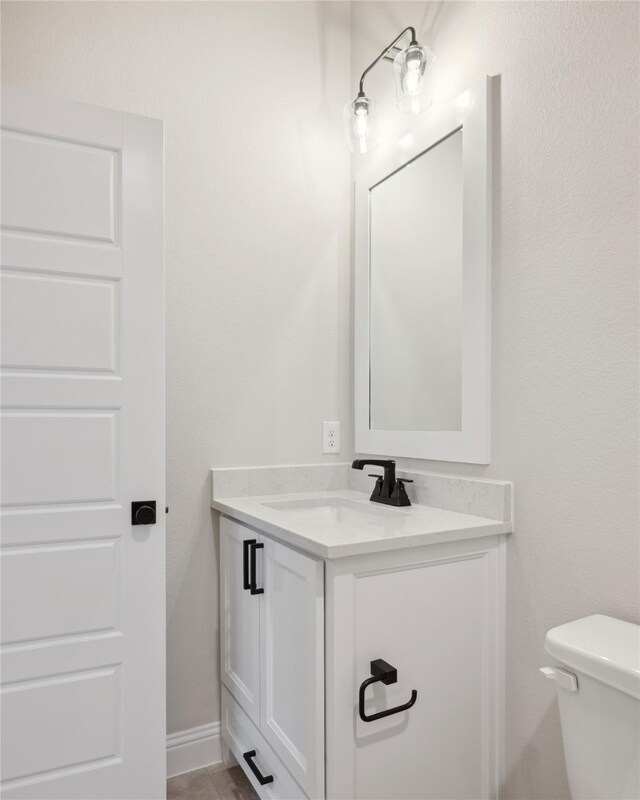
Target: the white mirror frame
(472, 112)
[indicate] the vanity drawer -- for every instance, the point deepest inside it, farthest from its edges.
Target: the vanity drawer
(242, 736)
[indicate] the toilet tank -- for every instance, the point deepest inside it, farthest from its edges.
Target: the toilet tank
(600, 716)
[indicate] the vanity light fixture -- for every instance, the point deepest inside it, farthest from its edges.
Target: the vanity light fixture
(409, 66)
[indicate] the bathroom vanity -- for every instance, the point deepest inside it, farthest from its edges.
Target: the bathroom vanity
(362, 645)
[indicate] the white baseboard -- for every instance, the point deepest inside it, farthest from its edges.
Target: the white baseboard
(193, 749)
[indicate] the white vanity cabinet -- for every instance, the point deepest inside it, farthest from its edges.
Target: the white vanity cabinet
(294, 658)
(272, 633)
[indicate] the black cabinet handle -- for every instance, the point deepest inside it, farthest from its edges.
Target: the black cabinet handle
(381, 671)
(252, 567)
(246, 544)
(262, 779)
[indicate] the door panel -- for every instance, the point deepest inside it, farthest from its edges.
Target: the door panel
(292, 662)
(240, 620)
(38, 166)
(89, 603)
(55, 456)
(59, 323)
(87, 702)
(83, 651)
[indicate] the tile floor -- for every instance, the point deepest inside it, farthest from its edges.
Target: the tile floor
(214, 783)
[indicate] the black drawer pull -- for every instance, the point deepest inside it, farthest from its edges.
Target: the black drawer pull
(252, 567)
(246, 544)
(262, 779)
(381, 671)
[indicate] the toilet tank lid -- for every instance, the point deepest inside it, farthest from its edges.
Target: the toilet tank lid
(604, 648)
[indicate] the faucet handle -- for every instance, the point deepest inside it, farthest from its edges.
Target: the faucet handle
(377, 489)
(399, 495)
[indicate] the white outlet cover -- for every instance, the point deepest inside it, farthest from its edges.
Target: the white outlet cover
(330, 437)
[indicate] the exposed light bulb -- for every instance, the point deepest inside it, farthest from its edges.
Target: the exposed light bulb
(357, 116)
(412, 81)
(409, 67)
(414, 57)
(361, 122)
(361, 127)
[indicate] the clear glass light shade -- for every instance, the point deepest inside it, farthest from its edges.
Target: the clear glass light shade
(359, 123)
(409, 68)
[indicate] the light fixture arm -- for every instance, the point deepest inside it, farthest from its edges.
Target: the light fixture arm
(385, 55)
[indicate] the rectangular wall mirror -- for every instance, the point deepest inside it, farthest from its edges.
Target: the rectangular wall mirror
(423, 278)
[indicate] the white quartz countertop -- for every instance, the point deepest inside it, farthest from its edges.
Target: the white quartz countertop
(339, 523)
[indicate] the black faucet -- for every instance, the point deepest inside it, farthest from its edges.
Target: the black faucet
(388, 489)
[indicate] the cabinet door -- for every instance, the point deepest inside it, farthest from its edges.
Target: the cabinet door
(428, 624)
(437, 623)
(239, 619)
(292, 662)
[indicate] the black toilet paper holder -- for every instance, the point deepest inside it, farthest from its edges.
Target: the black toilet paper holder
(387, 674)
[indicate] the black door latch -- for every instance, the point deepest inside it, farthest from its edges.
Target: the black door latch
(143, 512)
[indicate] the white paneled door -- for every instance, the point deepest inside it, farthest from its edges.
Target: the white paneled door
(83, 601)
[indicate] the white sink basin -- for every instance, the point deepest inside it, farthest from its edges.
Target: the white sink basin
(331, 510)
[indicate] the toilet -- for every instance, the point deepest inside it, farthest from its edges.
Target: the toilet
(598, 685)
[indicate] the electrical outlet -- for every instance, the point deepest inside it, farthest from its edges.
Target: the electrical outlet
(330, 437)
